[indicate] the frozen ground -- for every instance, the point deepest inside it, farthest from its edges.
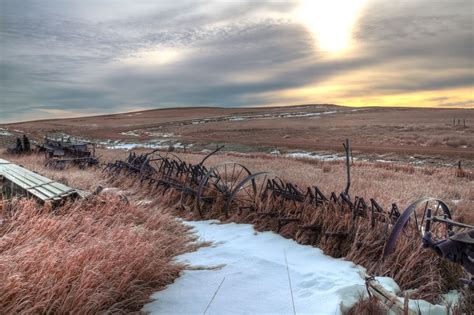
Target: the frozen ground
(248, 272)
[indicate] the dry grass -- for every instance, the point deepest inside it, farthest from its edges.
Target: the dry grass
(387, 183)
(99, 255)
(334, 231)
(337, 234)
(368, 306)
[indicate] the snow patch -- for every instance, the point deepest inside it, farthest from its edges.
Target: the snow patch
(149, 133)
(254, 276)
(249, 272)
(159, 144)
(5, 132)
(133, 133)
(315, 156)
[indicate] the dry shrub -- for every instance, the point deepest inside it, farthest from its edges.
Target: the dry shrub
(462, 173)
(428, 171)
(467, 302)
(370, 306)
(434, 141)
(403, 168)
(326, 169)
(456, 142)
(99, 255)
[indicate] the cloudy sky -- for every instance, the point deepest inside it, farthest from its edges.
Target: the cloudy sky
(66, 58)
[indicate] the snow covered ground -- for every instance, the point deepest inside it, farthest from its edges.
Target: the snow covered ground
(249, 272)
(5, 132)
(321, 156)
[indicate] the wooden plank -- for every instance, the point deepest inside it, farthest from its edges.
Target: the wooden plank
(32, 183)
(388, 299)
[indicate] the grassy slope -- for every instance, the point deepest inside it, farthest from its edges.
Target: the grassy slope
(98, 255)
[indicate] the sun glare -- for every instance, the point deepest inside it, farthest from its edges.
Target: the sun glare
(330, 21)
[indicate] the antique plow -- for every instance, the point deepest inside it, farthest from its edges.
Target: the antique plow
(449, 239)
(232, 189)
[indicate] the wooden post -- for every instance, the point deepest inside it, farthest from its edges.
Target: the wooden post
(388, 299)
(347, 148)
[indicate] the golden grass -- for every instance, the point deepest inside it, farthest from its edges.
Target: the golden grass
(368, 306)
(99, 255)
(335, 232)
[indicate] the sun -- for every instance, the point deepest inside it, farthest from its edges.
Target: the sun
(330, 21)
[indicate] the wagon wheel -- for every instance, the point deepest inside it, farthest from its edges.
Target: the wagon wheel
(246, 195)
(219, 182)
(414, 217)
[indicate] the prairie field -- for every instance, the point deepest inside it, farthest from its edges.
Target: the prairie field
(110, 251)
(441, 134)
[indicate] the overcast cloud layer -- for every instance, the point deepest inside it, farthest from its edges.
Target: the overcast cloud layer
(62, 58)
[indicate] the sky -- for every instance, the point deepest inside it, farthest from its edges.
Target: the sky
(62, 58)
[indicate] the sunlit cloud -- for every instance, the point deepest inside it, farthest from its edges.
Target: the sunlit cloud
(330, 22)
(155, 57)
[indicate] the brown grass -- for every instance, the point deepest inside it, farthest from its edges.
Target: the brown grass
(95, 256)
(368, 306)
(336, 232)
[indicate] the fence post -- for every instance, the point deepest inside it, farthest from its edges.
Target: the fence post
(347, 148)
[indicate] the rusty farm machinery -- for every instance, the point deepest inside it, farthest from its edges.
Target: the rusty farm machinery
(61, 152)
(449, 239)
(231, 189)
(22, 146)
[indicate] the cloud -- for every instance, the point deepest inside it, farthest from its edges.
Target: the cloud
(468, 103)
(108, 56)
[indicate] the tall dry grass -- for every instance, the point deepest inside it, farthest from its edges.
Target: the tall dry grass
(360, 240)
(385, 182)
(335, 231)
(101, 255)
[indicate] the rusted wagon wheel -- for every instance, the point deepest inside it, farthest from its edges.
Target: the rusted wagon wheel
(415, 217)
(246, 196)
(218, 183)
